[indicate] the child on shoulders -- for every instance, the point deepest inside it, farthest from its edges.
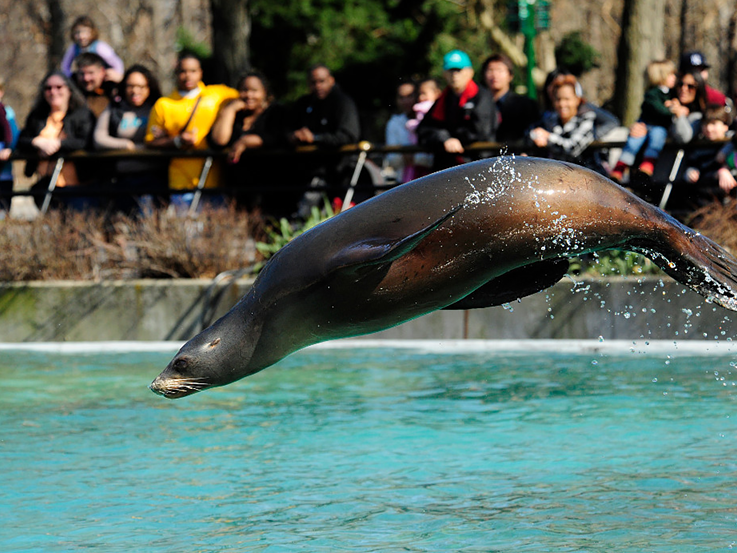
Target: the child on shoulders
(85, 38)
(427, 92)
(655, 116)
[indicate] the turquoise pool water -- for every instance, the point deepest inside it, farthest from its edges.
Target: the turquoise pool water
(373, 449)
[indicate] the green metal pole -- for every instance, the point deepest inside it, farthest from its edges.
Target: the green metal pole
(527, 25)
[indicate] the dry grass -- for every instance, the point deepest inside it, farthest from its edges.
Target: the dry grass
(67, 245)
(719, 222)
(96, 246)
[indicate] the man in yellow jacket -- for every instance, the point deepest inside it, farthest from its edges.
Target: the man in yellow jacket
(182, 120)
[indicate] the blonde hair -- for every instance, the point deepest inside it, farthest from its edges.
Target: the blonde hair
(658, 71)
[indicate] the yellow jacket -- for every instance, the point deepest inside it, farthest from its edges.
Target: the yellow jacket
(171, 114)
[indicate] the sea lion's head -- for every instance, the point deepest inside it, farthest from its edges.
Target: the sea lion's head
(218, 355)
(252, 336)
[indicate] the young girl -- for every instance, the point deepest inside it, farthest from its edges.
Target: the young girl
(427, 92)
(396, 132)
(85, 39)
(655, 115)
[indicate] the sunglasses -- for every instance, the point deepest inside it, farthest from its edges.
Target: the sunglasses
(687, 85)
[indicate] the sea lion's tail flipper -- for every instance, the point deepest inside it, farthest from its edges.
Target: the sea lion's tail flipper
(379, 250)
(516, 284)
(696, 261)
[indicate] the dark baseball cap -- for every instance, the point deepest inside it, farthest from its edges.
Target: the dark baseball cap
(693, 60)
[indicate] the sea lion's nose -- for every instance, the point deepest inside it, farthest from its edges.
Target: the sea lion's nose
(157, 386)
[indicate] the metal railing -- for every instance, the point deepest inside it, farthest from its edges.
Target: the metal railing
(361, 151)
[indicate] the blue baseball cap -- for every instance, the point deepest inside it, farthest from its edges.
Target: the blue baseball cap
(456, 59)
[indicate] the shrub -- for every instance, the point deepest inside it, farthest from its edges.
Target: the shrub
(67, 245)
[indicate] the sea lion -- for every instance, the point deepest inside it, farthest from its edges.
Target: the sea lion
(475, 235)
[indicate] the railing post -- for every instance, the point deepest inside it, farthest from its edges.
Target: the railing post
(52, 185)
(365, 146)
(671, 179)
(200, 185)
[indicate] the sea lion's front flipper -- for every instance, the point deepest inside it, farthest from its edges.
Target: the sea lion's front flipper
(380, 250)
(515, 284)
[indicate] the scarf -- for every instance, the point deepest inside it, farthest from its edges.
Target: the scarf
(438, 112)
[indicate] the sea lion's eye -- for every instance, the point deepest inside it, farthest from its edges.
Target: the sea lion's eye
(180, 365)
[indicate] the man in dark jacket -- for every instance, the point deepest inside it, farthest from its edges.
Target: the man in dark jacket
(327, 118)
(463, 114)
(517, 113)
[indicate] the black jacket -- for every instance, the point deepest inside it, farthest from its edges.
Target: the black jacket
(474, 121)
(78, 126)
(269, 125)
(518, 113)
(333, 121)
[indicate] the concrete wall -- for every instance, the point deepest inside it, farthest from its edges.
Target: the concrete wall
(176, 310)
(121, 310)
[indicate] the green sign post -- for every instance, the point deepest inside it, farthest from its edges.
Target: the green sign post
(528, 17)
(527, 26)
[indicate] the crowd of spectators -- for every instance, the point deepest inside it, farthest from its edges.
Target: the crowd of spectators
(92, 102)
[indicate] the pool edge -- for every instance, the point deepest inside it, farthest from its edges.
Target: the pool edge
(655, 347)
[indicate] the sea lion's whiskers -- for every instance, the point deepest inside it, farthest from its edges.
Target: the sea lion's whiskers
(183, 385)
(191, 384)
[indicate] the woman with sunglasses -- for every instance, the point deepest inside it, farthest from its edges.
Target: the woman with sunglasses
(688, 106)
(58, 123)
